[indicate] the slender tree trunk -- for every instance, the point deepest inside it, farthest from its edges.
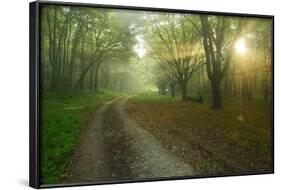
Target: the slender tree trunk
(226, 86)
(216, 92)
(66, 63)
(183, 91)
(265, 87)
(234, 84)
(71, 66)
(53, 50)
(55, 78)
(247, 91)
(250, 94)
(96, 77)
(63, 61)
(244, 87)
(173, 90)
(91, 85)
(81, 86)
(162, 90)
(75, 43)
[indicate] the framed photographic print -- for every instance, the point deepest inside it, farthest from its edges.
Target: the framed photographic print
(130, 94)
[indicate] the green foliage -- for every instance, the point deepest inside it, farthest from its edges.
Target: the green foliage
(64, 113)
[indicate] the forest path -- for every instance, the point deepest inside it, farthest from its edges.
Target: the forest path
(114, 148)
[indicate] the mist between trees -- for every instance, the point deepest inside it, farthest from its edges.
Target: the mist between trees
(186, 55)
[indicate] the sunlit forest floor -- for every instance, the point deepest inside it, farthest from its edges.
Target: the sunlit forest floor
(235, 139)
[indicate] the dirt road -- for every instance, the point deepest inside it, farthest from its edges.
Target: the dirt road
(114, 148)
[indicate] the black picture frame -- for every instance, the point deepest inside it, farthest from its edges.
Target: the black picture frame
(35, 89)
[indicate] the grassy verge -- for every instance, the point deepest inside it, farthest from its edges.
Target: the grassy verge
(235, 139)
(63, 115)
(155, 97)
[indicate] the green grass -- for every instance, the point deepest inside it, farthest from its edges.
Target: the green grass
(63, 115)
(155, 97)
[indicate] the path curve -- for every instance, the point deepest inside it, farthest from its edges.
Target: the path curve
(114, 148)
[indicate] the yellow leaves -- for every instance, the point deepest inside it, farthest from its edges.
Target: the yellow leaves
(241, 118)
(238, 135)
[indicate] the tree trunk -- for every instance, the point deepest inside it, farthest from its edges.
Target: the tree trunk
(91, 78)
(244, 87)
(226, 86)
(55, 78)
(250, 92)
(216, 92)
(96, 77)
(173, 91)
(265, 88)
(247, 91)
(234, 85)
(81, 86)
(183, 91)
(72, 65)
(162, 90)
